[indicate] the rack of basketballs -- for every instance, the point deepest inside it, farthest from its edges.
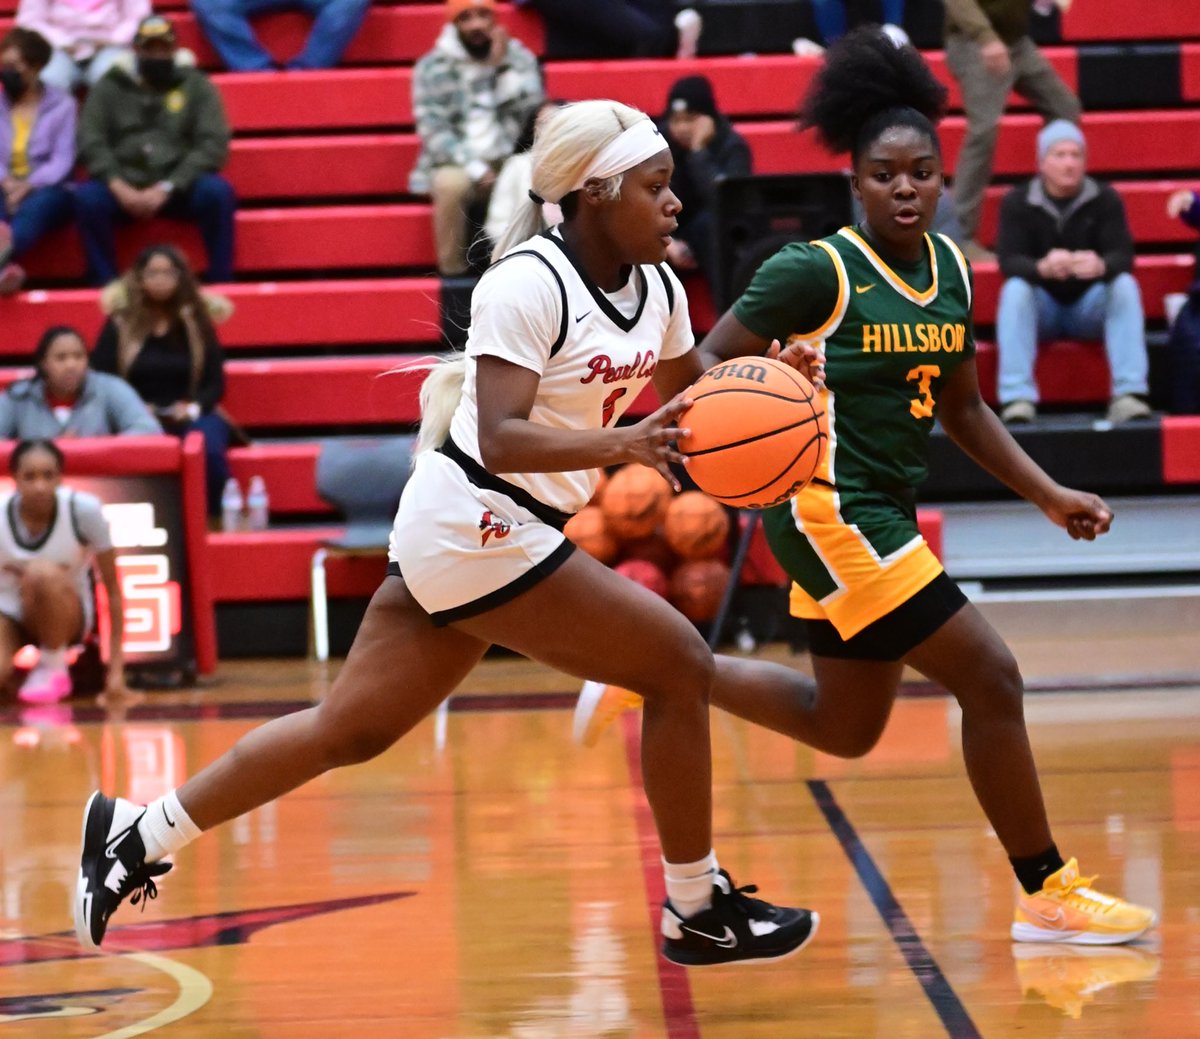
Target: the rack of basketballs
(676, 545)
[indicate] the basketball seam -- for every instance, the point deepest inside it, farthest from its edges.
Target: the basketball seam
(758, 436)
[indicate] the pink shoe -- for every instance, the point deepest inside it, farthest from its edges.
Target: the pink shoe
(45, 686)
(12, 277)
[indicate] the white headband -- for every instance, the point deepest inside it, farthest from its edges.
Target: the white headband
(625, 151)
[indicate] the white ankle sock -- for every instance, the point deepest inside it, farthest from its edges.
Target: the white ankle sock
(53, 659)
(689, 884)
(166, 827)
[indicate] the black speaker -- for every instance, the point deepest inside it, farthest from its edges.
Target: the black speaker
(757, 216)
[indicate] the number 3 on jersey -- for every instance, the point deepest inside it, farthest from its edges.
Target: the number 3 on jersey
(923, 375)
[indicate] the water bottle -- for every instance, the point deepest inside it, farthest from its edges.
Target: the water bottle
(231, 506)
(257, 504)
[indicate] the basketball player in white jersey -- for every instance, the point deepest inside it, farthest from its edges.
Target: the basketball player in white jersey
(50, 536)
(566, 330)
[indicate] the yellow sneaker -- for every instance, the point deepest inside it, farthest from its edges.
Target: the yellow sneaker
(1067, 977)
(1068, 910)
(598, 707)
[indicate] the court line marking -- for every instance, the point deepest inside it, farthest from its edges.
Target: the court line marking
(941, 995)
(195, 989)
(675, 990)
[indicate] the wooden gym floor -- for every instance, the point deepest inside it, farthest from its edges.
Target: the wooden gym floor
(492, 881)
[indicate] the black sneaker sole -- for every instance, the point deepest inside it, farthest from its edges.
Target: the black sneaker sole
(93, 826)
(686, 959)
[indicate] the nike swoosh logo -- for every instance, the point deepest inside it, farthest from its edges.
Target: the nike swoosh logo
(170, 821)
(581, 317)
(726, 941)
(1057, 920)
(111, 851)
(860, 289)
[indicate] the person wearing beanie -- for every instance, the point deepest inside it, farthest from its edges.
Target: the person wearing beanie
(989, 52)
(1067, 258)
(472, 95)
(706, 149)
(226, 23)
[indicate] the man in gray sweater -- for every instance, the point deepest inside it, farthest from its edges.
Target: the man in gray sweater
(989, 52)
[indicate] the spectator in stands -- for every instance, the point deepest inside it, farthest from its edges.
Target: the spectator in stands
(618, 28)
(152, 136)
(515, 179)
(226, 23)
(160, 337)
(830, 16)
(37, 151)
(989, 52)
(1067, 256)
(49, 541)
(88, 38)
(1183, 343)
(66, 399)
(706, 148)
(471, 95)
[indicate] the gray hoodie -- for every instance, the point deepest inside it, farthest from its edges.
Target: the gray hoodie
(108, 406)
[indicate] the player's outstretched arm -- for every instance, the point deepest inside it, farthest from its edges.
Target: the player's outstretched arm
(972, 425)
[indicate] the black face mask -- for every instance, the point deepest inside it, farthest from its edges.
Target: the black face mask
(13, 83)
(157, 72)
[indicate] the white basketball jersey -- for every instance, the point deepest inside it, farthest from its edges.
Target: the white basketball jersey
(593, 351)
(62, 543)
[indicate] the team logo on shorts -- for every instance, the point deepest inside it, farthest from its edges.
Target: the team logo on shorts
(490, 525)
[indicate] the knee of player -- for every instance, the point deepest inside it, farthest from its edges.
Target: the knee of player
(857, 742)
(999, 689)
(686, 670)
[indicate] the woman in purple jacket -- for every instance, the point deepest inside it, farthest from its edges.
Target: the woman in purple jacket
(37, 151)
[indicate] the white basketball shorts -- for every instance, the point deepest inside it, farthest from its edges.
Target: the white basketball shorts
(463, 548)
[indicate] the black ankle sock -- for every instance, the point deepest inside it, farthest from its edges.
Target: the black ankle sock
(1035, 869)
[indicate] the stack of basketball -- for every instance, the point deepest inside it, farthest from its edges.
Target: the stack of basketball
(673, 544)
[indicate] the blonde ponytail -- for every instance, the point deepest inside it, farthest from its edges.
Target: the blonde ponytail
(440, 393)
(562, 150)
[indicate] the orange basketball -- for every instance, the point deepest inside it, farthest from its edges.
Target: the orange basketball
(697, 587)
(599, 491)
(758, 432)
(644, 573)
(589, 530)
(634, 501)
(696, 527)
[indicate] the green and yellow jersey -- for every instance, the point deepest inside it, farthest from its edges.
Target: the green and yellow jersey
(892, 335)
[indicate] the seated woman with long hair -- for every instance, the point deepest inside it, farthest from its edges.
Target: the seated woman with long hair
(161, 338)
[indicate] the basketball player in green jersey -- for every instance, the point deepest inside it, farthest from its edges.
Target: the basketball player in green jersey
(880, 316)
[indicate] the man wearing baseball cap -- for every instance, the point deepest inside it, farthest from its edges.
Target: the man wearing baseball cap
(153, 135)
(1067, 256)
(471, 96)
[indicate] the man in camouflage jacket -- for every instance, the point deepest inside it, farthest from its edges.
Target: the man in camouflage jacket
(471, 96)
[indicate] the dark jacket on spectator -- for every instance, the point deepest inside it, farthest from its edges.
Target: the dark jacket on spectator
(107, 406)
(697, 172)
(1031, 224)
(144, 136)
(164, 371)
(987, 20)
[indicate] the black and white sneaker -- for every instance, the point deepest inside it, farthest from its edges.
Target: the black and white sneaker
(112, 866)
(735, 927)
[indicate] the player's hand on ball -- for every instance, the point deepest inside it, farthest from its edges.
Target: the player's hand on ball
(1084, 516)
(807, 359)
(652, 441)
